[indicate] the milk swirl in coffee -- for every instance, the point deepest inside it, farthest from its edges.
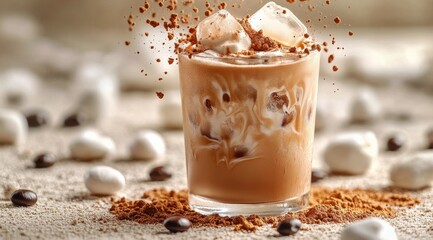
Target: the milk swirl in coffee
(248, 100)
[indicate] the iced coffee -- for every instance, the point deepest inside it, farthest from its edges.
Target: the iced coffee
(248, 101)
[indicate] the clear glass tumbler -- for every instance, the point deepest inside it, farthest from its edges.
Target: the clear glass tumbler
(249, 131)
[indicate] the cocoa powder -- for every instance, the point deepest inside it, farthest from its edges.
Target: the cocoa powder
(180, 22)
(159, 94)
(337, 20)
(326, 206)
(258, 41)
(331, 58)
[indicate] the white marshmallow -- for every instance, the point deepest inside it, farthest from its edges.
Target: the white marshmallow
(103, 180)
(351, 153)
(365, 107)
(98, 93)
(171, 110)
(369, 229)
(18, 85)
(13, 127)
(414, 173)
(278, 23)
(90, 145)
(147, 145)
(222, 33)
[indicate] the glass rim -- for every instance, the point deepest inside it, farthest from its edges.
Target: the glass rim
(283, 58)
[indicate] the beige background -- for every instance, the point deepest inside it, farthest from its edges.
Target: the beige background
(391, 53)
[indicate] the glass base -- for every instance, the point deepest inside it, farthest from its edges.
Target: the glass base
(207, 206)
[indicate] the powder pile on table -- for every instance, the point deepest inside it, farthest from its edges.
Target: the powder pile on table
(326, 206)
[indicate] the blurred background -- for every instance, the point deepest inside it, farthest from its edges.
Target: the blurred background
(64, 59)
(64, 42)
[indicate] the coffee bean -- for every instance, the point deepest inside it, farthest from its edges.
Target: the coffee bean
(289, 226)
(318, 175)
(37, 119)
(74, 120)
(395, 142)
(177, 224)
(24, 198)
(44, 160)
(160, 173)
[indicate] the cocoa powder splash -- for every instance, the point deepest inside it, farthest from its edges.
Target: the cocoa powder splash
(326, 206)
(179, 18)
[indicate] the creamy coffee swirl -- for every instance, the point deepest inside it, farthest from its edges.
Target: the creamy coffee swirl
(248, 128)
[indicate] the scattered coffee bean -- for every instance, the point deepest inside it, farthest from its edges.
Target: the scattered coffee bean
(177, 224)
(37, 119)
(24, 198)
(318, 175)
(160, 173)
(44, 160)
(395, 142)
(74, 120)
(289, 226)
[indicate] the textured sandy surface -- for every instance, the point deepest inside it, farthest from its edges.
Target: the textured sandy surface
(65, 210)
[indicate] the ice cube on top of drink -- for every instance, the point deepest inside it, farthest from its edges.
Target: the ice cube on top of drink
(222, 33)
(278, 23)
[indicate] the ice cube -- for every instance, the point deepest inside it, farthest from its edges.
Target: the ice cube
(222, 33)
(278, 23)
